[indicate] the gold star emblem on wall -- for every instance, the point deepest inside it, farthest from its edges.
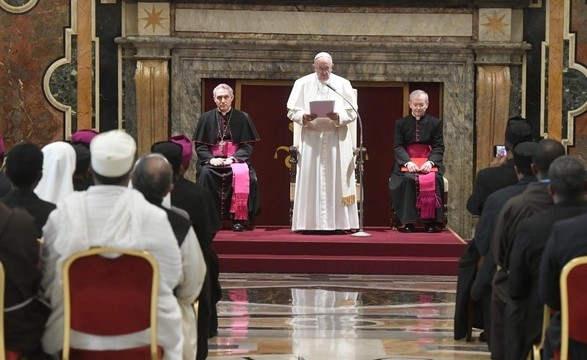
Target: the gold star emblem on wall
(495, 24)
(153, 18)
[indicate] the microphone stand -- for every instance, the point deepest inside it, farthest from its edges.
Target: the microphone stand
(361, 150)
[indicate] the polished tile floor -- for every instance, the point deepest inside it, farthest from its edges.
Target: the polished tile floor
(339, 317)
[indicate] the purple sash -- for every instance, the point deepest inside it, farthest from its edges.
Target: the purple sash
(240, 191)
(239, 204)
(426, 200)
(225, 150)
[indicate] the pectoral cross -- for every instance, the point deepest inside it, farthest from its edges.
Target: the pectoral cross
(221, 144)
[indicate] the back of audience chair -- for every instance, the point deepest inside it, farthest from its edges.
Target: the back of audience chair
(573, 299)
(110, 292)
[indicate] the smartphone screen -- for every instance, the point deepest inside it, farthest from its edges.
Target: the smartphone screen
(499, 151)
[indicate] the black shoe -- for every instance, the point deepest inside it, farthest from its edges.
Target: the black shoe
(431, 228)
(238, 227)
(407, 228)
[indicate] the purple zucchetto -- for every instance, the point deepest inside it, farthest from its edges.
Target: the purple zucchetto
(83, 136)
(186, 145)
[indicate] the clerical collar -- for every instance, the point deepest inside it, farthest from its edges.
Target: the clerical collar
(224, 114)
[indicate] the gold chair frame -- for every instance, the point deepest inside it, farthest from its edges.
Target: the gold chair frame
(99, 252)
(565, 313)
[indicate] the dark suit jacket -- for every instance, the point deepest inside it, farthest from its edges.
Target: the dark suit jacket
(484, 232)
(566, 242)
(197, 202)
(488, 181)
(5, 184)
(524, 260)
(28, 200)
(19, 254)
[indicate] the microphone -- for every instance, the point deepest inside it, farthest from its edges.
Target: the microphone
(361, 231)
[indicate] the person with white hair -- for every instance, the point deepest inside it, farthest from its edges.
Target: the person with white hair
(111, 214)
(325, 198)
(224, 140)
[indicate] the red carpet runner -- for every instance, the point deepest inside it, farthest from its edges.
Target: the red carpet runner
(277, 249)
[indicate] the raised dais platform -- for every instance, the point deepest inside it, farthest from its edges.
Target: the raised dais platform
(277, 249)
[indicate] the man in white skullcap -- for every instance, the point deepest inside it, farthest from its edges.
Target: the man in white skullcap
(111, 214)
(325, 197)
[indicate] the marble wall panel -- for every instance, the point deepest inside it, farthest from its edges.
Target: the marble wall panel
(27, 47)
(325, 23)
(578, 12)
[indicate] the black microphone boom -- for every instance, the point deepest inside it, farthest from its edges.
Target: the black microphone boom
(361, 151)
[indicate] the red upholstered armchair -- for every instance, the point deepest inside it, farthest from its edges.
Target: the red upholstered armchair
(110, 292)
(573, 300)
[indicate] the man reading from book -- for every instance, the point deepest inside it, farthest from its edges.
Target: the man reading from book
(416, 183)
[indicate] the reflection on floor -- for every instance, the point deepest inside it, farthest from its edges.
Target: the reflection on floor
(339, 317)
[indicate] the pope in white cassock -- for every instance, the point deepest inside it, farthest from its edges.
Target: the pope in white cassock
(325, 198)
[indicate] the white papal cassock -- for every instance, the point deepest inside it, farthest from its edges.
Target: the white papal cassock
(325, 196)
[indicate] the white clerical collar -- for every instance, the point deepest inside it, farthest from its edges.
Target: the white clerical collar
(224, 113)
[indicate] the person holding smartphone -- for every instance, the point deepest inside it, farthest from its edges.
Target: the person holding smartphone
(501, 172)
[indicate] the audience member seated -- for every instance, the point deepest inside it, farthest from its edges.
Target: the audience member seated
(499, 175)
(83, 137)
(566, 242)
(111, 214)
(501, 172)
(58, 167)
(481, 287)
(4, 182)
(153, 177)
(24, 314)
(416, 186)
(505, 343)
(224, 140)
(196, 201)
(567, 188)
(24, 168)
(82, 178)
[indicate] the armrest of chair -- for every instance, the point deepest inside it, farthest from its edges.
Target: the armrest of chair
(293, 169)
(293, 161)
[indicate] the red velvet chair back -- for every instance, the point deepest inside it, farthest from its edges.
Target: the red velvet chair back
(573, 299)
(110, 292)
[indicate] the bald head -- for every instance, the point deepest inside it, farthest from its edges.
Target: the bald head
(153, 177)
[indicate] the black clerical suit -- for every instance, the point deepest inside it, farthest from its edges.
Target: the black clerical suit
(212, 130)
(488, 181)
(402, 185)
(524, 260)
(198, 203)
(566, 242)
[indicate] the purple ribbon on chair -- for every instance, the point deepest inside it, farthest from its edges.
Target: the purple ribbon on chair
(426, 200)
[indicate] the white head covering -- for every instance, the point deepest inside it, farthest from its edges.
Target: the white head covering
(113, 153)
(58, 167)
